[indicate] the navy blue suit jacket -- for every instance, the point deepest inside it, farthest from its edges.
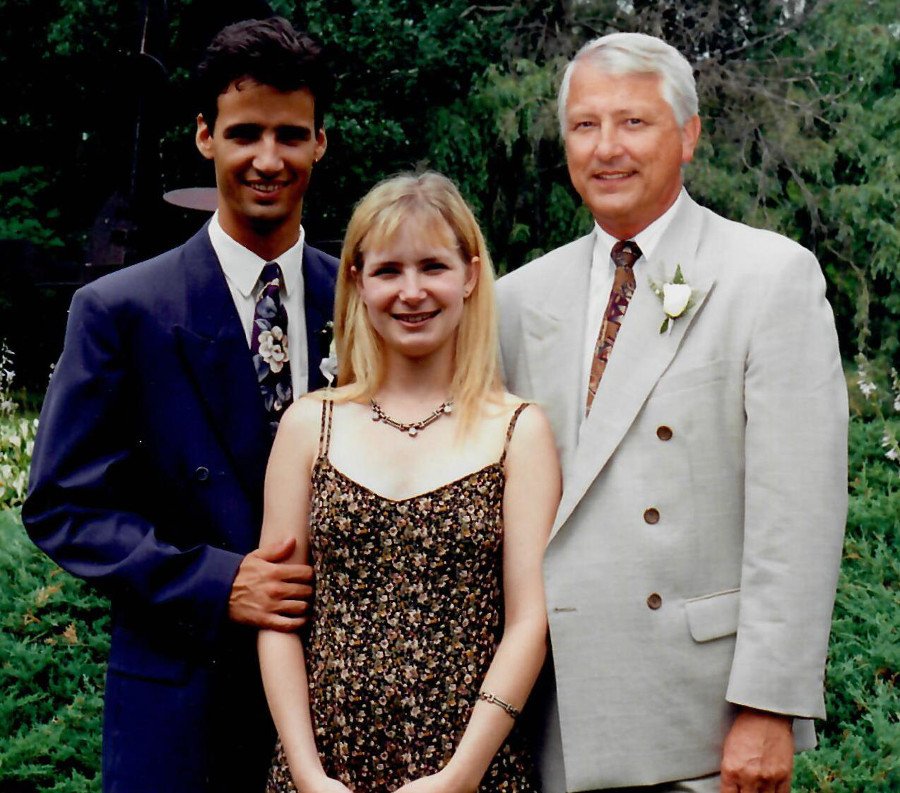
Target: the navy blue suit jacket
(147, 480)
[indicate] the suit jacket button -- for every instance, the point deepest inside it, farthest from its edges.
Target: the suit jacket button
(654, 601)
(664, 433)
(651, 515)
(201, 474)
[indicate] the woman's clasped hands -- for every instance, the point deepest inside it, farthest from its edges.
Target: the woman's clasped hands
(441, 782)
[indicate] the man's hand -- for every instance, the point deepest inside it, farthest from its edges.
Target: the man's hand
(268, 592)
(759, 753)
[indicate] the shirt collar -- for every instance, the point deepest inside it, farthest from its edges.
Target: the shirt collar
(648, 238)
(242, 267)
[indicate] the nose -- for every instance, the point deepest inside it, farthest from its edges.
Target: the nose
(267, 159)
(608, 144)
(411, 288)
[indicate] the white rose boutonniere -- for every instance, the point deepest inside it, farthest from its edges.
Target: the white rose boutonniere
(329, 366)
(677, 298)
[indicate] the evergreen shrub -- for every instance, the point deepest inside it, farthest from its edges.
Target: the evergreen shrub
(53, 645)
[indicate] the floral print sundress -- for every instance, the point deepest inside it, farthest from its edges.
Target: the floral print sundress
(408, 614)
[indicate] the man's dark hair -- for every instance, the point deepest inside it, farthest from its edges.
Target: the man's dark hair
(269, 52)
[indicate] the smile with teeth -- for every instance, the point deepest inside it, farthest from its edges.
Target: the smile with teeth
(265, 187)
(415, 319)
(612, 175)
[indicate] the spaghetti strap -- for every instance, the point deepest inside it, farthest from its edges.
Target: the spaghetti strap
(510, 428)
(325, 427)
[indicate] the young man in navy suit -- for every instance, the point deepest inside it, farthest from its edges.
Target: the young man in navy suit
(148, 469)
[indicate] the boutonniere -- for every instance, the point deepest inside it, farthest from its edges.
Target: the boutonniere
(328, 366)
(677, 298)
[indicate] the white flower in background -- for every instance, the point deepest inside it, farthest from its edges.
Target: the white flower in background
(867, 388)
(273, 347)
(864, 381)
(893, 449)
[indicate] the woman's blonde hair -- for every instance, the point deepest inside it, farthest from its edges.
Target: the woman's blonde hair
(429, 198)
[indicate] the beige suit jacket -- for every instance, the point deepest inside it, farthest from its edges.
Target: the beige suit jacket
(659, 627)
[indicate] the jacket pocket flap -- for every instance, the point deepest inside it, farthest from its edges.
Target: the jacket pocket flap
(713, 616)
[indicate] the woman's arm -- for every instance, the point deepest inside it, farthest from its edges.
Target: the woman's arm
(281, 657)
(533, 487)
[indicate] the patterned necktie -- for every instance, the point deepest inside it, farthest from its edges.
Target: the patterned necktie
(624, 255)
(269, 345)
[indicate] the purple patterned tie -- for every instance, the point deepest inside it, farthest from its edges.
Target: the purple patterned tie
(269, 345)
(624, 254)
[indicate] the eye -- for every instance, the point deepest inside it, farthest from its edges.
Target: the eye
(290, 135)
(583, 125)
(242, 133)
(634, 122)
(435, 266)
(384, 270)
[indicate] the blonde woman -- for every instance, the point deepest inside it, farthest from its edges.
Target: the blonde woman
(423, 494)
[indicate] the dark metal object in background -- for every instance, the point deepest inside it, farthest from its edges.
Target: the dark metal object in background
(121, 233)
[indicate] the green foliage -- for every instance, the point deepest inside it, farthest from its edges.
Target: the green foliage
(859, 746)
(860, 191)
(53, 642)
(24, 197)
(798, 99)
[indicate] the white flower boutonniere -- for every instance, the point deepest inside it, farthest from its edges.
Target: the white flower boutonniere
(677, 297)
(329, 366)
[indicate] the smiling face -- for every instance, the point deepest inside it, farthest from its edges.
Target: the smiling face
(414, 285)
(624, 147)
(263, 147)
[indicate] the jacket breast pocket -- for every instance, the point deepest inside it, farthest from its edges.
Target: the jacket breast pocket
(713, 616)
(710, 375)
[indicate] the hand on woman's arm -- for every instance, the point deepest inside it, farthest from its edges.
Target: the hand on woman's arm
(533, 486)
(281, 656)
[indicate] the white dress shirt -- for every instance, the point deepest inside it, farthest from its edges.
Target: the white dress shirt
(603, 271)
(242, 269)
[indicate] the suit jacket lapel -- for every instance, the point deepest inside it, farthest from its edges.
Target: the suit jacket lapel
(641, 354)
(215, 354)
(554, 343)
(318, 293)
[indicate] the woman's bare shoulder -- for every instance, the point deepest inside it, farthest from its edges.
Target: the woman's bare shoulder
(511, 403)
(532, 429)
(302, 421)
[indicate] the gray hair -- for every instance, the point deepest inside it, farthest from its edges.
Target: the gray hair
(637, 53)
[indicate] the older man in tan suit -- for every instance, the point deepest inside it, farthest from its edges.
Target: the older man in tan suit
(690, 368)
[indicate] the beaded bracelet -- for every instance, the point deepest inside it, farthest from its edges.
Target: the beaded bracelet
(487, 696)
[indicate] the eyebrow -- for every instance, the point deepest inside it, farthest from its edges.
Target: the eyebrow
(398, 262)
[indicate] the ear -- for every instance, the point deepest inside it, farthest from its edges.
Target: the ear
(321, 145)
(203, 138)
(473, 270)
(690, 134)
